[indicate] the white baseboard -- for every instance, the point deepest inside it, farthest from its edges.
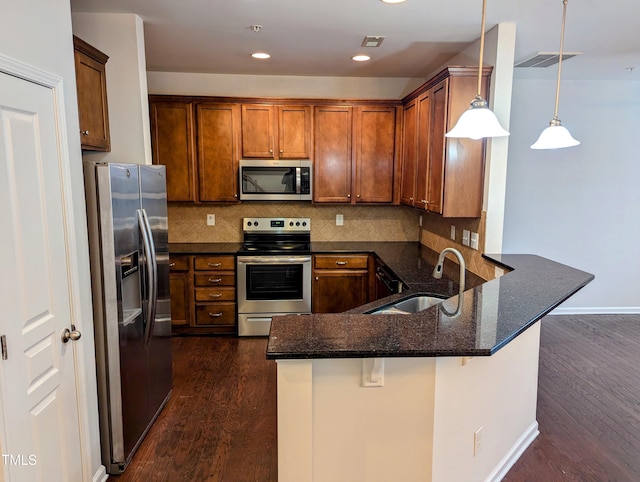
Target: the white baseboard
(514, 453)
(101, 475)
(597, 310)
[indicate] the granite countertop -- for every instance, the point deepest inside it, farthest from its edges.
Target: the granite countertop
(492, 314)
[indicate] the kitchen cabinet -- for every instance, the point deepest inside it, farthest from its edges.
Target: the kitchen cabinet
(409, 152)
(218, 127)
(276, 131)
(355, 153)
(180, 275)
(215, 294)
(91, 85)
(340, 282)
(173, 145)
(203, 294)
(448, 173)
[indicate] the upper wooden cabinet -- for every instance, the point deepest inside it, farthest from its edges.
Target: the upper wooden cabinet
(276, 131)
(91, 85)
(355, 153)
(218, 127)
(173, 145)
(448, 173)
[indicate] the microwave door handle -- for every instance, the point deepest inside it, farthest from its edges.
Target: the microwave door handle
(298, 179)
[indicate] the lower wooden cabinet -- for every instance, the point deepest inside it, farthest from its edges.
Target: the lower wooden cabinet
(340, 283)
(203, 297)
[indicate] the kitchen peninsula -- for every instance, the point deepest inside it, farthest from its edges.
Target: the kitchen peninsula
(417, 397)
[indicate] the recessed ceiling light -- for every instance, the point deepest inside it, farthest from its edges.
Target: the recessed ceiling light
(392, 1)
(260, 55)
(361, 58)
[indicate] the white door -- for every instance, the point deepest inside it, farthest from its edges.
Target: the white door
(39, 426)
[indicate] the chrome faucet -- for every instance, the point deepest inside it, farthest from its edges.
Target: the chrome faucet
(437, 273)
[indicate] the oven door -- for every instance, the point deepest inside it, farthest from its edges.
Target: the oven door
(274, 284)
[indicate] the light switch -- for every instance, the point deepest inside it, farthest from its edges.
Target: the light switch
(211, 219)
(453, 232)
(339, 220)
(474, 240)
(465, 237)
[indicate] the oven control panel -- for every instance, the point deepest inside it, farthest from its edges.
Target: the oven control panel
(275, 225)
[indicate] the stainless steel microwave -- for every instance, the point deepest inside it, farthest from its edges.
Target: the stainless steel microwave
(275, 180)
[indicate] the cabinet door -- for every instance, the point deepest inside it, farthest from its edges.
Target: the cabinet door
(409, 153)
(375, 130)
(91, 85)
(332, 160)
(424, 143)
(335, 291)
(437, 148)
(294, 129)
(173, 145)
(218, 127)
(179, 289)
(258, 131)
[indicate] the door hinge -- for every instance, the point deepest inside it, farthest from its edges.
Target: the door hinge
(3, 342)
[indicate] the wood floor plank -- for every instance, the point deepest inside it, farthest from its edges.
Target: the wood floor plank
(220, 423)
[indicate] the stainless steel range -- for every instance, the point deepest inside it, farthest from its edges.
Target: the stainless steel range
(274, 272)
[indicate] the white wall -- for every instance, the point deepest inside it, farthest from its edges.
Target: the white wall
(581, 205)
(280, 86)
(121, 37)
(38, 33)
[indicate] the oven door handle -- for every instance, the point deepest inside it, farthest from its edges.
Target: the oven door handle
(273, 259)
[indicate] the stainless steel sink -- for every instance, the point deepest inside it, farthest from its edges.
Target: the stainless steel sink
(411, 304)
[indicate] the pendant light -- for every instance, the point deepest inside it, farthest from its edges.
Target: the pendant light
(478, 121)
(556, 136)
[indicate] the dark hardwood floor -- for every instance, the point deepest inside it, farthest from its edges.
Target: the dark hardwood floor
(220, 424)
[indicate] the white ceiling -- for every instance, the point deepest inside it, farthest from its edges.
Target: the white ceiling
(318, 38)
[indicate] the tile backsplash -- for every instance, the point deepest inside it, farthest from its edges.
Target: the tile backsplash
(188, 223)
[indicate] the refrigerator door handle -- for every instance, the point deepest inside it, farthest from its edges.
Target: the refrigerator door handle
(152, 273)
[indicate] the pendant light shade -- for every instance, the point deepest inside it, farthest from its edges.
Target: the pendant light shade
(479, 121)
(556, 136)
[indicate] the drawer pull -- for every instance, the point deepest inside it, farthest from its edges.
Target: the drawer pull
(214, 280)
(215, 295)
(214, 265)
(215, 315)
(172, 265)
(341, 263)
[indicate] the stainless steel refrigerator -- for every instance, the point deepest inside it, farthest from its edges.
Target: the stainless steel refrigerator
(128, 242)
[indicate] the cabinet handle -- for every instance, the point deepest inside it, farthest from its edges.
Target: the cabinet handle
(270, 151)
(215, 295)
(317, 279)
(348, 196)
(341, 263)
(411, 199)
(424, 201)
(214, 265)
(85, 133)
(358, 196)
(281, 151)
(214, 280)
(215, 315)
(235, 195)
(172, 265)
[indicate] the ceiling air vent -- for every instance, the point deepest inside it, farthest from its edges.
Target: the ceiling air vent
(545, 59)
(371, 41)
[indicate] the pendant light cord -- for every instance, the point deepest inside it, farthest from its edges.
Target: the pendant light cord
(564, 17)
(484, 15)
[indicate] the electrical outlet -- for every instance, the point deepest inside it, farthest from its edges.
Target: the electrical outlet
(453, 232)
(420, 220)
(477, 441)
(474, 240)
(339, 220)
(465, 237)
(211, 219)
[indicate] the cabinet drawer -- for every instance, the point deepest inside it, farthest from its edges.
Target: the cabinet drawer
(220, 263)
(223, 313)
(215, 279)
(179, 263)
(216, 294)
(357, 261)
